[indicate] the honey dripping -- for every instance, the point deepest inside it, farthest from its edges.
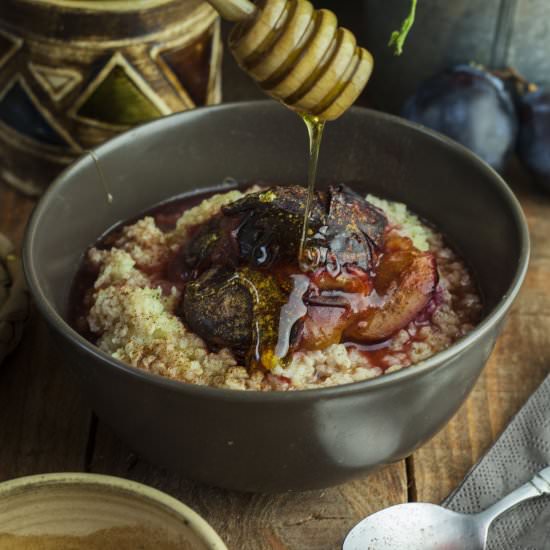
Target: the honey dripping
(294, 309)
(315, 127)
(101, 176)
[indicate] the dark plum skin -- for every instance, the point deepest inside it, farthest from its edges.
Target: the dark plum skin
(232, 298)
(534, 135)
(470, 106)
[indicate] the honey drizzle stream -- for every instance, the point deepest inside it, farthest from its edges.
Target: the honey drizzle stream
(101, 176)
(315, 127)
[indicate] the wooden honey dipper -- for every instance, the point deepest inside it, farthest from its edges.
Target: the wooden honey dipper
(298, 55)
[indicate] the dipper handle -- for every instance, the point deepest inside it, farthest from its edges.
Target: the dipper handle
(298, 55)
(234, 10)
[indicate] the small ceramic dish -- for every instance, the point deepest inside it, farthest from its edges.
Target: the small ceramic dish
(73, 508)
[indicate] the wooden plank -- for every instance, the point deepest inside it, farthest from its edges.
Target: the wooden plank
(43, 424)
(315, 519)
(519, 363)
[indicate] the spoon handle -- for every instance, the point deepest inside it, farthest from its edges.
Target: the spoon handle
(538, 486)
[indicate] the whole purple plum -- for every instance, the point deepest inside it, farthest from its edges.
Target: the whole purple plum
(534, 134)
(471, 106)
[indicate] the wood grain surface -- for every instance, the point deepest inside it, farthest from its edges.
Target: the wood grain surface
(315, 519)
(46, 426)
(519, 363)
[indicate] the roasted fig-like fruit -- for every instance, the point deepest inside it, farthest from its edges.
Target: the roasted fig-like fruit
(270, 224)
(235, 309)
(231, 300)
(266, 227)
(246, 291)
(352, 231)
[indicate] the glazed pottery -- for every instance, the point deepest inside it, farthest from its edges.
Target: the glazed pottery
(73, 506)
(278, 441)
(74, 73)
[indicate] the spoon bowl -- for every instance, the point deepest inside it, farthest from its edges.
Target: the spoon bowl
(418, 526)
(422, 526)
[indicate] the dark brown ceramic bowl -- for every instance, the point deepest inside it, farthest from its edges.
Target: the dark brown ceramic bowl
(279, 441)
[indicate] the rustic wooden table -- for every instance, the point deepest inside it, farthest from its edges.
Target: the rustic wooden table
(46, 425)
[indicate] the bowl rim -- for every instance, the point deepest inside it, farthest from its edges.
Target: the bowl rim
(156, 497)
(440, 359)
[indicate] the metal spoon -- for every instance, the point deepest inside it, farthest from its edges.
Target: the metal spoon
(430, 527)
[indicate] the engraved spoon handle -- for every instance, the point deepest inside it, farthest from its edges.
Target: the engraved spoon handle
(234, 10)
(538, 486)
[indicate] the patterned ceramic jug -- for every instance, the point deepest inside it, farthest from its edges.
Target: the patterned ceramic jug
(74, 73)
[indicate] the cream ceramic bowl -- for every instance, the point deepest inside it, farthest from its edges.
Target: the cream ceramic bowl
(77, 505)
